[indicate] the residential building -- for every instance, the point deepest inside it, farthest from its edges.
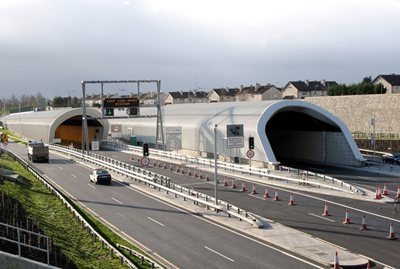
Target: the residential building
(222, 95)
(389, 83)
(181, 97)
(259, 93)
(302, 89)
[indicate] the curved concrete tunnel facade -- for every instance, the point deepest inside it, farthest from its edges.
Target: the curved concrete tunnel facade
(65, 124)
(283, 131)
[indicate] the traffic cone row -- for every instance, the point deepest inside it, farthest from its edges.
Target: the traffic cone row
(243, 187)
(347, 217)
(391, 235)
(326, 212)
(378, 194)
(291, 200)
(225, 183)
(363, 224)
(276, 196)
(253, 191)
(233, 184)
(398, 193)
(385, 191)
(266, 194)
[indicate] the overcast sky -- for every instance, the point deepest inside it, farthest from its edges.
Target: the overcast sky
(49, 46)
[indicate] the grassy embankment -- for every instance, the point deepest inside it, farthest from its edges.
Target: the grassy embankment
(59, 224)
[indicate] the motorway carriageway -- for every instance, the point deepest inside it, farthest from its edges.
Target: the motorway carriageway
(181, 238)
(306, 214)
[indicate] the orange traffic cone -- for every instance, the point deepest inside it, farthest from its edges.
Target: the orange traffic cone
(291, 200)
(363, 224)
(347, 217)
(377, 194)
(233, 184)
(244, 187)
(336, 261)
(225, 183)
(276, 196)
(391, 235)
(385, 191)
(398, 193)
(266, 194)
(253, 191)
(326, 212)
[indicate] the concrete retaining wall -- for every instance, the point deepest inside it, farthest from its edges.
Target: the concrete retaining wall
(10, 261)
(357, 110)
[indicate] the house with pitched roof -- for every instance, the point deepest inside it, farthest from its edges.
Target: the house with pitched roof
(259, 93)
(301, 89)
(389, 82)
(222, 95)
(181, 97)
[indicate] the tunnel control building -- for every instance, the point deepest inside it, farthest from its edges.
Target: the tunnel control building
(286, 130)
(64, 124)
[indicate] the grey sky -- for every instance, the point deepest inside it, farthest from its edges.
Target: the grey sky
(49, 46)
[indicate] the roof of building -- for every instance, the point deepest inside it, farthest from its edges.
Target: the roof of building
(393, 79)
(226, 91)
(312, 85)
(188, 94)
(260, 89)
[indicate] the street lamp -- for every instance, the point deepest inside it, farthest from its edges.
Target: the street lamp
(215, 165)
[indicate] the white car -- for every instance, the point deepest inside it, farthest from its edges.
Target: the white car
(100, 176)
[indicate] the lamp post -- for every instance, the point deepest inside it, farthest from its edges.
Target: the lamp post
(373, 135)
(215, 165)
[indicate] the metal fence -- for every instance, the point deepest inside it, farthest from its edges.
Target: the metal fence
(17, 236)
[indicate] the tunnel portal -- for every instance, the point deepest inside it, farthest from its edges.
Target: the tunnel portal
(299, 136)
(70, 131)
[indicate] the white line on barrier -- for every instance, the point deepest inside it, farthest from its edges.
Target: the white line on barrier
(91, 186)
(159, 223)
(320, 217)
(119, 202)
(216, 252)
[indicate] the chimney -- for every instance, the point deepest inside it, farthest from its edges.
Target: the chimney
(257, 87)
(306, 82)
(323, 82)
(241, 87)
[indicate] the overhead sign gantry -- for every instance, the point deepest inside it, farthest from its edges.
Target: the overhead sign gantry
(108, 105)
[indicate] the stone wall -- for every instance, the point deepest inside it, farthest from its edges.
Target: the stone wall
(356, 111)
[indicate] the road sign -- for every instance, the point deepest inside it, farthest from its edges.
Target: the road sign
(145, 161)
(116, 128)
(120, 102)
(234, 134)
(250, 153)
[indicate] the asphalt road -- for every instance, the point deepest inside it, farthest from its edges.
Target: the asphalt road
(306, 215)
(185, 240)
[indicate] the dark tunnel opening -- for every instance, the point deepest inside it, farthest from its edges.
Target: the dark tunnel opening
(297, 137)
(70, 131)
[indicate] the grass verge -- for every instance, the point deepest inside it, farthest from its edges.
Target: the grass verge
(58, 223)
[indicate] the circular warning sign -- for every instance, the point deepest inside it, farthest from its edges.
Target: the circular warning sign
(145, 161)
(250, 154)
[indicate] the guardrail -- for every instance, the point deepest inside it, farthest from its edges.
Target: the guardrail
(161, 182)
(336, 184)
(71, 208)
(23, 232)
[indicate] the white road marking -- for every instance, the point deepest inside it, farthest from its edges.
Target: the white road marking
(73, 175)
(159, 223)
(115, 156)
(255, 196)
(119, 202)
(216, 252)
(59, 167)
(321, 217)
(91, 186)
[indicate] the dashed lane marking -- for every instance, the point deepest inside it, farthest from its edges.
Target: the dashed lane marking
(153, 220)
(118, 201)
(222, 255)
(91, 186)
(320, 217)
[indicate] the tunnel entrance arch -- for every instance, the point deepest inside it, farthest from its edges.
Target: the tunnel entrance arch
(306, 133)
